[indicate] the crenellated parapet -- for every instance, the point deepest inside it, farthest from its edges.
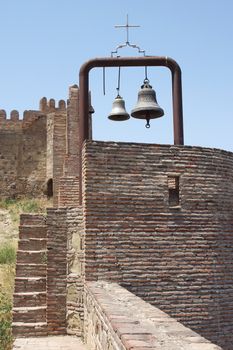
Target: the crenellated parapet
(15, 122)
(14, 115)
(49, 106)
(11, 122)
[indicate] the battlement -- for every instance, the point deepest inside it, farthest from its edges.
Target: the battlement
(11, 122)
(14, 115)
(14, 122)
(48, 106)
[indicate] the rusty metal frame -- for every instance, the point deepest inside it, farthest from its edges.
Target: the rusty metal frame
(129, 62)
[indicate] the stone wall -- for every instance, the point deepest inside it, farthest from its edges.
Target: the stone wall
(56, 270)
(116, 319)
(158, 220)
(75, 271)
(65, 271)
(32, 150)
(22, 154)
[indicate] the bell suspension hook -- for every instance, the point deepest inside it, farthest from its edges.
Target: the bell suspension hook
(119, 81)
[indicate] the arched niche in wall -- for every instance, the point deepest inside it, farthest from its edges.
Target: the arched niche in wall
(49, 190)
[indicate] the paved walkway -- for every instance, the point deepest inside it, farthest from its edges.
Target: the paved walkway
(49, 343)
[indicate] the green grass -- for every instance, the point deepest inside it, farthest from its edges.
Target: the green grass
(6, 338)
(7, 273)
(7, 254)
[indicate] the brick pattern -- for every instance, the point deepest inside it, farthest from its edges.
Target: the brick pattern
(179, 258)
(56, 270)
(116, 319)
(59, 151)
(68, 192)
(49, 146)
(29, 309)
(69, 182)
(73, 123)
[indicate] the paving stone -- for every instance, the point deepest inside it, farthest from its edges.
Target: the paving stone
(49, 343)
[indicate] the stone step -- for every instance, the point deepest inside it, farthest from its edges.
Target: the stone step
(28, 299)
(32, 244)
(32, 329)
(30, 284)
(32, 219)
(31, 270)
(29, 314)
(32, 231)
(32, 257)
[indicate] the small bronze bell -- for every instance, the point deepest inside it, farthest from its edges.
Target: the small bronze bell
(118, 112)
(147, 106)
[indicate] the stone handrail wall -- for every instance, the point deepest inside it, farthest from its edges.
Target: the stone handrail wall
(116, 319)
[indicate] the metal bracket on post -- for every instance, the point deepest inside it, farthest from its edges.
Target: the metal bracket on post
(128, 62)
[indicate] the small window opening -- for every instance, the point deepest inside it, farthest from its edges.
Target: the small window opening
(50, 188)
(173, 190)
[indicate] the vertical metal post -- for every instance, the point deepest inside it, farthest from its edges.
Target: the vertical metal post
(177, 107)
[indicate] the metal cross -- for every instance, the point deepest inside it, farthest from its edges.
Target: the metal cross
(127, 26)
(127, 43)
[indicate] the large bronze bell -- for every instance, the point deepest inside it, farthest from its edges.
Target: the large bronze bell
(147, 106)
(118, 112)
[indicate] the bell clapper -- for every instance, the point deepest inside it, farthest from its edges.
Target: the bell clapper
(147, 123)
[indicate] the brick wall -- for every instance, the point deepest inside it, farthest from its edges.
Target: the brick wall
(56, 270)
(48, 297)
(174, 253)
(59, 150)
(68, 193)
(49, 157)
(65, 271)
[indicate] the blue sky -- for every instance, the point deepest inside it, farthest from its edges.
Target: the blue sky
(44, 43)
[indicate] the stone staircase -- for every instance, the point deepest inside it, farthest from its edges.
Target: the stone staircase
(29, 309)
